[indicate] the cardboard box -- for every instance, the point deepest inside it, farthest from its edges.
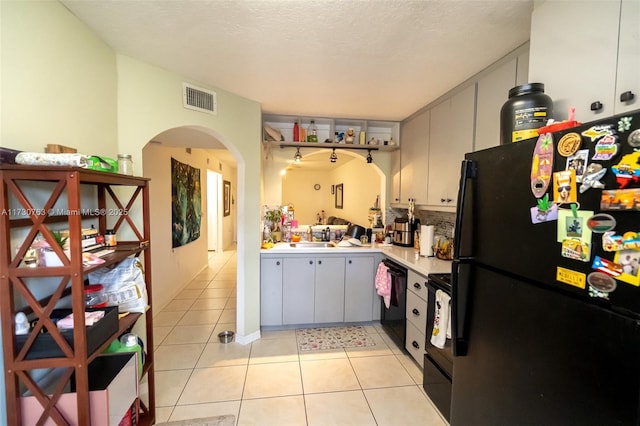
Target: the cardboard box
(45, 347)
(113, 389)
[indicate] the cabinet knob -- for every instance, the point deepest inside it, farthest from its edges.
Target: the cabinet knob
(415, 344)
(442, 200)
(311, 262)
(416, 312)
(417, 285)
(596, 106)
(349, 262)
(627, 96)
(278, 263)
(319, 262)
(449, 200)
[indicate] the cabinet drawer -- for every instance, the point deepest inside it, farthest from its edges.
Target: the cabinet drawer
(418, 284)
(416, 312)
(414, 343)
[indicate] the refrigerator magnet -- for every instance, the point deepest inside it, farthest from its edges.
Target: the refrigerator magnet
(576, 249)
(620, 199)
(596, 132)
(634, 138)
(574, 278)
(629, 261)
(572, 225)
(545, 211)
(628, 241)
(578, 162)
(564, 186)
(627, 170)
(601, 223)
(601, 282)
(606, 266)
(591, 178)
(624, 124)
(606, 148)
(569, 144)
(542, 165)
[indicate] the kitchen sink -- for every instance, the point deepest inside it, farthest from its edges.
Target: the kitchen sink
(313, 244)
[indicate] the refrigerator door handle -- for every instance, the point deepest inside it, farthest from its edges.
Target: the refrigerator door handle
(460, 295)
(468, 171)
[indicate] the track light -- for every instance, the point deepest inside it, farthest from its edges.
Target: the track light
(369, 157)
(333, 157)
(298, 157)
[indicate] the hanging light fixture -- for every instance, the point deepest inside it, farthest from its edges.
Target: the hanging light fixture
(369, 157)
(333, 157)
(298, 157)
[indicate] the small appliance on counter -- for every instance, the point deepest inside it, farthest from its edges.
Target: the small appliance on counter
(404, 231)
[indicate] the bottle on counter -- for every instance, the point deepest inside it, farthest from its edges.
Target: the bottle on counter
(312, 132)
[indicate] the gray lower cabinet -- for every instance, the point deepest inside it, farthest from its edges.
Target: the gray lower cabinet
(300, 289)
(359, 288)
(329, 290)
(271, 291)
(298, 284)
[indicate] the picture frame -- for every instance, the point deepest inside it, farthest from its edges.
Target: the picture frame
(227, 197)
(339, 196)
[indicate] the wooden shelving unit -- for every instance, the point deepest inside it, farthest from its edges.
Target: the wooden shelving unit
(84, 195)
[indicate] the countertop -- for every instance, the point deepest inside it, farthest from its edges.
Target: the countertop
(403, 255)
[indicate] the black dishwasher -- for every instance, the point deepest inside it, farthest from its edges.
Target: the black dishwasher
(393, 318)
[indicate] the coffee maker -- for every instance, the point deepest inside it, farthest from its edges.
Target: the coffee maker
(404, 231)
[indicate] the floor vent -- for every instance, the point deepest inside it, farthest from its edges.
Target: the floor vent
(199, 99)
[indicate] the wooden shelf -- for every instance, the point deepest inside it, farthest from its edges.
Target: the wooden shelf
(25, 209)
(326, 145)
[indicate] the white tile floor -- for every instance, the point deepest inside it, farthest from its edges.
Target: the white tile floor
(269, 382)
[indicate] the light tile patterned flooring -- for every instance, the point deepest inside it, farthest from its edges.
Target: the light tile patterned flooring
(268, 382)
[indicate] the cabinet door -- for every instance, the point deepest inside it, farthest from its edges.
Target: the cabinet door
(298, 281)
(493, 92)
(629, 56)
(396, 176)
(329, 290)
(271, 291)
(358, 282)
(413, 158)
(452, 124)
(576, 65)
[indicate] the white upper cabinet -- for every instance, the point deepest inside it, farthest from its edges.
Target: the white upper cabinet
(493, 92)
(587, 54)
(451, 137)
(413, 158)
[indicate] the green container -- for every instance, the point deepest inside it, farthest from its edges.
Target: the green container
(102, 164)
(127, 343)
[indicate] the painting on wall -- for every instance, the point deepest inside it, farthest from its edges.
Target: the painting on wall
(186, 203)
(227, 198)
(339, 196)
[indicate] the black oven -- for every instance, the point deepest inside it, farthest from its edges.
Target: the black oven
(438, 363)
(393, 318)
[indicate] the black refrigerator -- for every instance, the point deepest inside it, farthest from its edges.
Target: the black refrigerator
(546, 288)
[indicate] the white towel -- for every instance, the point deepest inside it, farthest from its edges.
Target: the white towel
(441, 323)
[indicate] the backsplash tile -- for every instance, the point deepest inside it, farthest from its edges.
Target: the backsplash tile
(444, 222)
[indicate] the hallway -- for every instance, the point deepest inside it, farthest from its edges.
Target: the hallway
(269, 382)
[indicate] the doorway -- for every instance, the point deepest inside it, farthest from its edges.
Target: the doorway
(214, 218)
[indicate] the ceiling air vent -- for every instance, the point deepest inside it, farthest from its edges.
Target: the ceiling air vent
(199, 99)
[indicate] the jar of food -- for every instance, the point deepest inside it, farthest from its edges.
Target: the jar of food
(125, 164)
(94, 296)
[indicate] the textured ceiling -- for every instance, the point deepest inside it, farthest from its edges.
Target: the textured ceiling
(359, 59)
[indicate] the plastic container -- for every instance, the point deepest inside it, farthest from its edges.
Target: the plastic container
(110, 238)
(527, 109)
(94, 296)
(128, 342)
(312, 132)
(125, 164)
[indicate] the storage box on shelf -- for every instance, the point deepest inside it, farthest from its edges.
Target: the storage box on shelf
(31, 199)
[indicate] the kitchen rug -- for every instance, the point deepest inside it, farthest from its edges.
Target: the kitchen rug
(227, 420)
(313, 339)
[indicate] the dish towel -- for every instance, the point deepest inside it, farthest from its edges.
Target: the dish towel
(441, 320)
(383, 283)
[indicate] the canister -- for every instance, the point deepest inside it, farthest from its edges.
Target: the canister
(110, 238)
(527, 109)
(94, 296)
(125, 164)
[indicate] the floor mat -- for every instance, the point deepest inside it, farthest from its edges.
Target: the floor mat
(311, 339)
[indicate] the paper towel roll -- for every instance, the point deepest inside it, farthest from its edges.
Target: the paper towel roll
(426, 240)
